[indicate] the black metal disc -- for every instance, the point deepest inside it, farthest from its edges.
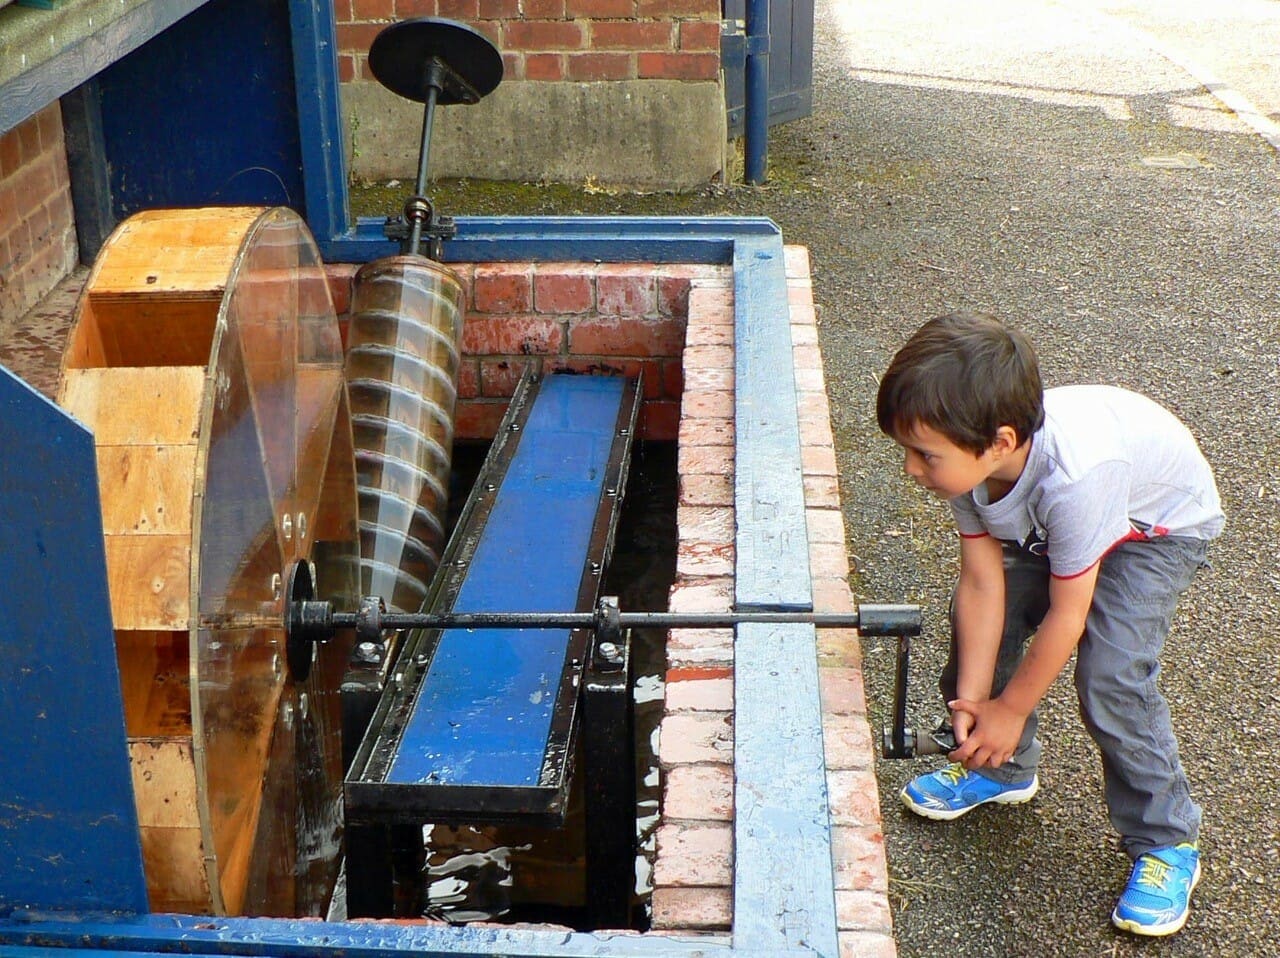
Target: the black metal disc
(401, 54)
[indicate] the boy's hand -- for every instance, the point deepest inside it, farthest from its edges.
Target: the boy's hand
(993, 736)
(961, 725)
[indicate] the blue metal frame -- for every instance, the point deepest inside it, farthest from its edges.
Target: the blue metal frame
(68, 829)
(784, 894)
(324, 159)
(783, 877)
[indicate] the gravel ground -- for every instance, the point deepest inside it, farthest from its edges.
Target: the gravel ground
(1033, 160)
(991, 158)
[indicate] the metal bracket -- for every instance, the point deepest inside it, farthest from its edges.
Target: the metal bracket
(608, 754)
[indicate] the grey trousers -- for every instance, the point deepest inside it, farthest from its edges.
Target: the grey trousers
(1117, 666)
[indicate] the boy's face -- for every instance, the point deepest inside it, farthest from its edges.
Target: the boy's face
(942, 467)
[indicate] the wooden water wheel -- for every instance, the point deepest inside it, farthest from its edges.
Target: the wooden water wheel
(206, 359)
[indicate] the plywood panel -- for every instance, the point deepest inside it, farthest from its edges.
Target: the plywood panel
(149, 579)
(155, 679)
(164, 782)
(146, 490)
(136, 406)
(159, 330)
(160, 251)
(174, 862)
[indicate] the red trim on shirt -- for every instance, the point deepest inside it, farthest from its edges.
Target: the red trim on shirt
(1074, 575)
(1133, 535)
(974, 535)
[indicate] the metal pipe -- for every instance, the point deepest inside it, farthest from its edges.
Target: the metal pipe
(756, 120)
(434, 81)
(884, 620)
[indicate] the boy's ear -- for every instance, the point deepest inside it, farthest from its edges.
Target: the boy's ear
(1006, 440)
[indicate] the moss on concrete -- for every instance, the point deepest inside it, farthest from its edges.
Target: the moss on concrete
(790, 172)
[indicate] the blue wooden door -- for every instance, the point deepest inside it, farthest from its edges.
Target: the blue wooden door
(790, 60)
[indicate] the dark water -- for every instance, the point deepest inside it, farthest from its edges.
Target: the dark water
(536, 874)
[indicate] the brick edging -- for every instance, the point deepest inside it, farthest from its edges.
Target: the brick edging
(693, 872)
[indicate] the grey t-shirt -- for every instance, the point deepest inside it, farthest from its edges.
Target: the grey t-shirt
(1108, 466)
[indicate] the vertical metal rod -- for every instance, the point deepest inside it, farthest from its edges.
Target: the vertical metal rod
(756, 122)
(424, 149)
(899, 734)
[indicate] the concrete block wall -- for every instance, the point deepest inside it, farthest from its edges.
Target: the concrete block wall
(37, 222)
(619, 92)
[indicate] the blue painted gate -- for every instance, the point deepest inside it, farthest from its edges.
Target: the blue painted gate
(790, 60)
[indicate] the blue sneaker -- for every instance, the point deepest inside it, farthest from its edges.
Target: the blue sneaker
(954, 790)
(1158, 897)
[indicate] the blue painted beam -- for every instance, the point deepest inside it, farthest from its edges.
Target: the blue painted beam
(68, 829)
(772, 541)
(324, 158)
(29, 92)
(783, 882)
(606, 239)
(29, 934)
(783, 886)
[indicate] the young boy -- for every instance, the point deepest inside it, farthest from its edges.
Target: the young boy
(1084, 512)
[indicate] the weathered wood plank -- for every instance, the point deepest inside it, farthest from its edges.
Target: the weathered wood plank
(155, 679)
(146, 490)
(783, 893)
(150, 581)
(137, 405)
(772, 540)
(174, 883)
(164, 782)
(133, 330)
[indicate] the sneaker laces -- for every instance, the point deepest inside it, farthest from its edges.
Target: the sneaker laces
(955, 773)
(1154, 873)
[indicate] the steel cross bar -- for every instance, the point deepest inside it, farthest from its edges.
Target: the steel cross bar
(879, 620)
(308, 621)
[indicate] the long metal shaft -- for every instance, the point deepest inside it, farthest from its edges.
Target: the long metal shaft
(869, 619)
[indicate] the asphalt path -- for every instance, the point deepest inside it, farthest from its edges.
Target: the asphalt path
(1101, 176)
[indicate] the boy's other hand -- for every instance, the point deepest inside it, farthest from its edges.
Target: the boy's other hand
(993, 734)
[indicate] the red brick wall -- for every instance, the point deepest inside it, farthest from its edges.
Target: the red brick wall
(577, 40)
(623, 318)
(37, 223)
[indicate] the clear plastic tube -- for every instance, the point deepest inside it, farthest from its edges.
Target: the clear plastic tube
(403, 347)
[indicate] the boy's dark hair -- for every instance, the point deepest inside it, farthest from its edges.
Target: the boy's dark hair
(965, 375)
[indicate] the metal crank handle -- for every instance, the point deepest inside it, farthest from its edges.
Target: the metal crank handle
(898, 740)
(938, 742)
